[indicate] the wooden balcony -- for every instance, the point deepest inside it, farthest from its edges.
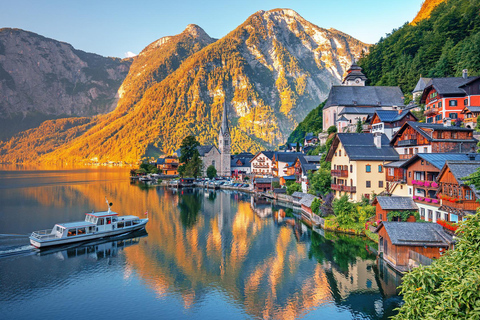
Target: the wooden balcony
(337, 187)
(471, 119)
(425, 184)
(349, 188)
(431, 112)
(408, 142)
(468, 205)
(340, 173)
(426, 200)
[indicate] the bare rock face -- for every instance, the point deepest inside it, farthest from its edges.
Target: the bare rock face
(44, 78)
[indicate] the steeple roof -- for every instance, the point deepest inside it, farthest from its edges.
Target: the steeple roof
(354, 72)
(224, 128)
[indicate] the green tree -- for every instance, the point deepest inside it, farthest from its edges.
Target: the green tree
(345, 211)
(211, 172)
(190, 158)
(320, 182)
(450, 287)
(293, 187)
(316, 205)
(332, 129)
(359, 128)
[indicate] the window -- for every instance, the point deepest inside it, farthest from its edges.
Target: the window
(391, 172)
(465, 102)
(429, 120)
(109, 220)
(128, 223)
(380, 184)
(410, 191)
(452, 115)
(72, 232)
(405, 151)
(416, 150)
(380, 168)
(422, 213)
(425, 150)
(409, 174)
(369, 184)
(440, 104)
(339, 153)
(430, 215)
(452, 103)
(438, 117)
(368, 168)
(101, 222)
(438, 215)
(468, 195)
(422, 162)
(81, 231)
(351, 168)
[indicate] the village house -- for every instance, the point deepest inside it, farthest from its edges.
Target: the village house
(404, 245)
(210, 156)
(395, 177)
(168, 165)
(353, 101)
(447, 97)
(416, 137)
(421, 84)
(385, 204)
(240, 165)
(390, 121)
(261, 163)
(421, 173)
(470, 114)
(357, 164)
(281, 161)
(310, 139)
(459, 199)
(302, 167)
(264, 184)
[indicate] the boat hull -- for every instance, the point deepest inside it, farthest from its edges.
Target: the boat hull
(38, 243)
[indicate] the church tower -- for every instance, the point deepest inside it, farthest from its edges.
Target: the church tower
(355, 76)
(224, 142)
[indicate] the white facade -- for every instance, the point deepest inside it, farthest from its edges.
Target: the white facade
(261, 165)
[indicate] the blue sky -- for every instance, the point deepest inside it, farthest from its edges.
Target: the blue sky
(113, 28)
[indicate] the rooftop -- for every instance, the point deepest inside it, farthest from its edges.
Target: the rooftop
(438, 159)
(360, 146)
(364, 96)
(392, 115)
(396, 203)
(307, 200)
(417, 234)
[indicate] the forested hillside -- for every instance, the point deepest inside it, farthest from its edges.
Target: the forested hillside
(312, 123)
(441, 46)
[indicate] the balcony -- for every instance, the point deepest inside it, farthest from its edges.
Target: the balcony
(340, 173)
(409, 142)
(349, 188)
(337, 187)
(431, 112)
(427, 200)
(470, 119)
(425, 184)
(459, 204)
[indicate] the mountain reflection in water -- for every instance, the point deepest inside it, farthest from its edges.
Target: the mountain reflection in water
(207, 254)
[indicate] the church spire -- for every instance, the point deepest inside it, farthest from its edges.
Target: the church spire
(224, 128)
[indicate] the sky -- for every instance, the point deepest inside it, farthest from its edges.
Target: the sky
(121, 28)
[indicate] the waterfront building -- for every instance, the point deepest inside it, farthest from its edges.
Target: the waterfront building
(264, 184)
(261, 163)
(281, 161)
(416, 137)
(168, 165)
(357, 164)
(210, 155)
(240, 164)
(389, 121)
(404, 245)
(447, 97)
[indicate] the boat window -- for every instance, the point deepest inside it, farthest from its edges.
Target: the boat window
(128, 223)
(101, 222)
(114, 219)
(120, 224)
(72, 232)
(80, 231)
(90, 229)
(59, 229)
(109, 220)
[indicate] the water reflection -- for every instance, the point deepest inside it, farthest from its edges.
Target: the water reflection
(222, 249)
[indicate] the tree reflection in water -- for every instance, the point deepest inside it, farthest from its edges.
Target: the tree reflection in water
(189, 203)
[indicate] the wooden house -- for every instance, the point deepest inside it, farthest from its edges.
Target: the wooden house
(416, 137)
(264, 184)
(384, 205)
(168, 165)
(459, 199)
(470, 115)
(390, 121)
(401, 243)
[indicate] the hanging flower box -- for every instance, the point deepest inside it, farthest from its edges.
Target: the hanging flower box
(428, 199)
(427, 184)
(434, 185)
(434, 201)
(420, 183)
(421, 198)
(415, 197)
(414, 181)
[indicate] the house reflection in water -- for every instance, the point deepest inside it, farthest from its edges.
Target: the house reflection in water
(264, 259)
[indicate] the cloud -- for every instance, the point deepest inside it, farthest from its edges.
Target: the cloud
(130, 54)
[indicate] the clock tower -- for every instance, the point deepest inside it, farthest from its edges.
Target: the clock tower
(224, 143)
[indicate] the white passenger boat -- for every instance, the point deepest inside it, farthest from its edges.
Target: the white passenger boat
(96, 225)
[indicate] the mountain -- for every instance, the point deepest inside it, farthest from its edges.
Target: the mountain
(269, 72)
(426, 10)
(440, 46)
(41, 79)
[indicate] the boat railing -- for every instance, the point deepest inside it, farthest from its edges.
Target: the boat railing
(43, 234)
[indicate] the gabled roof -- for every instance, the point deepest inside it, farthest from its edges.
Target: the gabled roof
(292, 177)
(298, 194)
(438, 159)
(342, 118)
(202, 150)
(244, 162)
(307, 200)
(396, 203)
(460, 170)
(364, 96)
(358, 110)
(268, 154)
(449, 85)
(266, 180)
(416, 234)
(288, 157)
(395, 164)
(309, 136)
(160, 160)
(418, 126)
(421, 84)
(471, 109)
(312, 159)
(393, 115)
(360, 146)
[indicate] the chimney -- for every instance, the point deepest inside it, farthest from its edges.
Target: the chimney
(377, 140)
(471, 156)
(464, 73)
(400, 111)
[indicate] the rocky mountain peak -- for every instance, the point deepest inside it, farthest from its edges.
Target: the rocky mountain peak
(196, 31)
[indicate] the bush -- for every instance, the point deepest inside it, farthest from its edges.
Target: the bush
(293, 188)
(211, 172)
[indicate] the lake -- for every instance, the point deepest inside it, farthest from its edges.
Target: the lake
(204, 255)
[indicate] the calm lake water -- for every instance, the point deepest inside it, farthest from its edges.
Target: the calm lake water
(205, 255)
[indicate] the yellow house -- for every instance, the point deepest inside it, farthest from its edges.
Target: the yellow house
(358, 161)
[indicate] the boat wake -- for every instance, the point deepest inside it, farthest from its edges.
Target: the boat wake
(17, 251)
